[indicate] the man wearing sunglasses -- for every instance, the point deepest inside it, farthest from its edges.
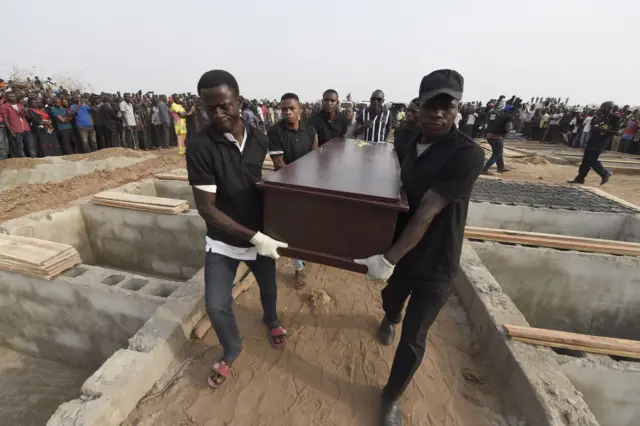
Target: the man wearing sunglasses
(374, 123)
(328, 122)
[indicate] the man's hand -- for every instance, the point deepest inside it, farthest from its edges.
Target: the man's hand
(368, 124)
(267, 246)
(379, 268)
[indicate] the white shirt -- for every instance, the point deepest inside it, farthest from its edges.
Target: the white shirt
(457, 120)
(545, 118)
(555, 118)
(214, 246)
(471, 120)
(587, 124)
(127, 112)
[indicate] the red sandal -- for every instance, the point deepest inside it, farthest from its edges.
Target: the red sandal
(278, 337)
(218, 375)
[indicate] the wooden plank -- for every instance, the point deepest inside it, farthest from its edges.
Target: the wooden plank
(30, 250)
(575, 339)
(138, 199)
(592, 245)
(625, 354)
(143, 207)
(169, 176)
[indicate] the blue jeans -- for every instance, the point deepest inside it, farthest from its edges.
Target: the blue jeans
(497, 147)
(219, 274)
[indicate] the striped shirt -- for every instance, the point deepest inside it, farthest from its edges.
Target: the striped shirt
(381, 128)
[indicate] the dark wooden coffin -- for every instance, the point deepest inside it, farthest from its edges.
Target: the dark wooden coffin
(338, 203)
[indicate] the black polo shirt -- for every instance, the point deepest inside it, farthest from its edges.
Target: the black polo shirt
(326, 129)
(449, 167)
(403, 136)
(212, 159)
(289, 143)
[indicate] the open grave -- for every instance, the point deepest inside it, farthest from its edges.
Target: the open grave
(570, 290)
(118, 327)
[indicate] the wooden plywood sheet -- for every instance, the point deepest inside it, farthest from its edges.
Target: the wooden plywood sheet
(36, 258)
(138, 199)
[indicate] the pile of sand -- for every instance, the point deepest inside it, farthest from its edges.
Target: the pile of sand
(107, 153)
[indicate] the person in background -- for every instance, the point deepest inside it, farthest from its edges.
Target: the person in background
(14, 115)
(129, 122)
(63, 120)
(179, 115)
(42, 128)
(407, 130)
(96, 102)
(109, 119)
(249, 117)
(164, 121)
(140, 110)
(290, 139)
(374, 122)
(629, 145)
(328, 122)
(4, 139)
(544, 124)
(604, 126)
(496, 132)
(586, 129)
(350, 115)
(224, 164)
(81, 112)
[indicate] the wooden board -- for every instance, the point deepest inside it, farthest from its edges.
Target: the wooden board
(583, 342)
(169, 176)
(36, 258)
(138, 199)
(143, 207)
(592, 245)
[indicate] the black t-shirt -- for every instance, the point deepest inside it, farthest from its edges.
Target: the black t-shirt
(289, 143)
(212, 159)
(403, 137)
(448, 167)
(326, 129)
(598, 141)
(498, 126)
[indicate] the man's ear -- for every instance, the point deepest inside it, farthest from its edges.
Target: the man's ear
(240, 100)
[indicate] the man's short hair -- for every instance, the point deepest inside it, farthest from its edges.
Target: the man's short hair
(330, 91)
(289, 96)
(216, 78)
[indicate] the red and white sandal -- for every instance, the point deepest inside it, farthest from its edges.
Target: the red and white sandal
(218, 375)
(278, 337)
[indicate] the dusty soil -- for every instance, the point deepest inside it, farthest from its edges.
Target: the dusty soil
(332, 369)
(28, 198)
(22, 163)
(32, 388)
(108, 152)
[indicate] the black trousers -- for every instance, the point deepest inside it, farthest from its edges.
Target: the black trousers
(426, 298)
(111, 137)
(64, 137)
(162, 135)
(590, 161)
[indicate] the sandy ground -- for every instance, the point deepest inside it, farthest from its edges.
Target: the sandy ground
(28, 198)
(332, 369)
(32, 388)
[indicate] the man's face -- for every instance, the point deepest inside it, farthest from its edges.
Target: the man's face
(329, 102)
(65, 102)
(438, 114)
(11, 97)
(127, 98)
(57, 103)
(411, 116)
(222, 106)
(377, 98)
(349, 113)
(77, 100)
(290, 111)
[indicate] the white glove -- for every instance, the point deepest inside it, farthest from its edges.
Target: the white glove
(267, 246)
(379, 268)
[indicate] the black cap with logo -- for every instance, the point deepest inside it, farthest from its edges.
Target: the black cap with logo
(439, 82)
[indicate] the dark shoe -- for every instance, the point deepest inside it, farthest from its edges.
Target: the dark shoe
(576, 180)
(390, 414)
(486, 172)
(387, 331)
(606, 178)
(505, 170)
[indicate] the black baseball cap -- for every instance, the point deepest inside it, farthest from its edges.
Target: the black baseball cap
(439, 82)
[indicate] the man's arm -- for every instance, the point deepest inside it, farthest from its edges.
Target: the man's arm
(276, 150)
(206, 205)
(431, 204)
(315, 142)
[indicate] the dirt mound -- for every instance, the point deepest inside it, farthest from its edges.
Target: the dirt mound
(29, 198)
(106, 153)
(22, 163)
(532, 159)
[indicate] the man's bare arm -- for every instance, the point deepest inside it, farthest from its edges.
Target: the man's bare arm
(206, 205)
(431, 204)
(315, 142)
